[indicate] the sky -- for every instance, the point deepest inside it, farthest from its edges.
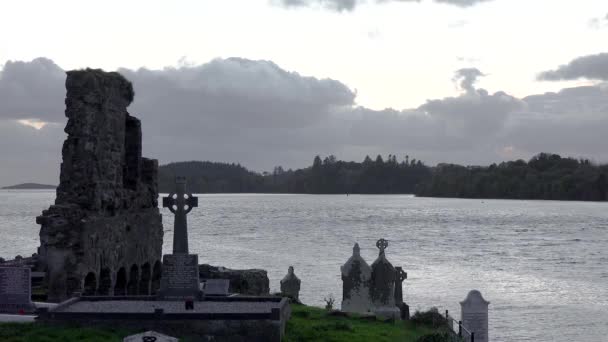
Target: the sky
(275, 82)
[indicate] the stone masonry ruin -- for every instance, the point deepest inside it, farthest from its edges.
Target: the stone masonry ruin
(104, 233)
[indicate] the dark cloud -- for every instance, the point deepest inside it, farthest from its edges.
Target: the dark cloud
(349, 5)
(466, 78)
(41, 78)
(594, 67)
(255, 113)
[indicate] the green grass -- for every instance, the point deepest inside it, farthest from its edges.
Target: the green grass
(33, 332)
(314, 324)
(306, 324)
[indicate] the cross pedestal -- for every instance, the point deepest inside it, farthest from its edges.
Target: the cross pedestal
(180, 277)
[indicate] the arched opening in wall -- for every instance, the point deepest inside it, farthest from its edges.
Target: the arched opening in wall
(144, 282)
(105, 282)
(120, 289)
(156, 275)
(90, 284)
(133, 281)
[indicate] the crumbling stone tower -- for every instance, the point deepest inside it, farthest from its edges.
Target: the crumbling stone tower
(104, 233)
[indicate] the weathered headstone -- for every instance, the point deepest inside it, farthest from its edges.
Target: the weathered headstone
(400, 276)
(382, 285)
(474, 315)
(355, 283)
(15, 290)
(180, 278)
(290, 285)
(216, 287)
(149, 336)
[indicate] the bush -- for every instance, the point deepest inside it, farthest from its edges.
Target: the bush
(431, 318)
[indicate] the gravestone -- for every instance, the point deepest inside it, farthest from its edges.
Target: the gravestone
(400, 276)
(355, 283)
(290, 285)
(15, 290)
(149, 336)
(180, 278)
(216, 287)
(382, 285)
(474, 315)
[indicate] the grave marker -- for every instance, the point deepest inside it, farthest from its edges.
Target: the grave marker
(355, 283)
(216, 287)
(150, 336)
(180, 278)
(290, 284)
(474, 315)
(15, 290)
(382, 285)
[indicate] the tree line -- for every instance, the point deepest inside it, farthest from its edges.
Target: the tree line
(545, 176)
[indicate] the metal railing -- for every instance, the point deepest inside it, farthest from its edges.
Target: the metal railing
(458, 329)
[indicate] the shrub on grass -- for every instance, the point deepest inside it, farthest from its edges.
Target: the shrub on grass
(431, 318)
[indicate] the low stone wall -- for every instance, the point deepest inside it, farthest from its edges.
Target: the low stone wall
(253, 282)
(222, 325)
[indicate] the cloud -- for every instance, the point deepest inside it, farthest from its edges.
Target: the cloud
(599, 23)
(467, 78)
(594, 67)
(349, 5)
(32, 90)
(258, 114)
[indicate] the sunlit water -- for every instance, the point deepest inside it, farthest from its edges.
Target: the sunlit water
(542, 264)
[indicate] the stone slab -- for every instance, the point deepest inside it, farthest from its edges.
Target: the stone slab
(5, 318)
(150, 336)
(15, 290)
(169, 307)
(180, 278)
(474, 315)
(216, 287)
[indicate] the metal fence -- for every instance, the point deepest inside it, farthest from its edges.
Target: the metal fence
(459, 331)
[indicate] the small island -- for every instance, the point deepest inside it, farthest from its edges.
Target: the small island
(29, 186)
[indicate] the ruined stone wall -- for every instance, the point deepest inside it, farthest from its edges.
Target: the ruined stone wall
(104, 233)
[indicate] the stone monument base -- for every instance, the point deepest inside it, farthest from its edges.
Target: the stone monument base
(233, 319)
(405, 311)
(180, 279)
(355, 305)
(388, 312)
(26, 308)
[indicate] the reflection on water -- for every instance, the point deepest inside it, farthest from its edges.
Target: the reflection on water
(542, 265)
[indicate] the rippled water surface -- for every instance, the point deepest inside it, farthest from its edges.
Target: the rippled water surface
(543, 265)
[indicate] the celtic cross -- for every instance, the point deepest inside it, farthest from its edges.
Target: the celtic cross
(382, 245)
(401, 274)
(180, 203)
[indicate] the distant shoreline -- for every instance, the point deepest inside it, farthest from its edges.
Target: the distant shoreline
(30, 186)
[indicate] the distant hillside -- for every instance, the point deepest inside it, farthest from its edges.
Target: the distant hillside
(325, 176)
(30, 186)
(210, 177)
(545, 176)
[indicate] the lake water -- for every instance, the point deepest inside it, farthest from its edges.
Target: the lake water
(543, 265)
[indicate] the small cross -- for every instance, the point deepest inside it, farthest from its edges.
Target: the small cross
(382, 245)
(401, 274)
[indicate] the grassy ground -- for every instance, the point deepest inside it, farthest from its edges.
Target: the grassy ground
(306, 324)
(314, 324)
(32, 332)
